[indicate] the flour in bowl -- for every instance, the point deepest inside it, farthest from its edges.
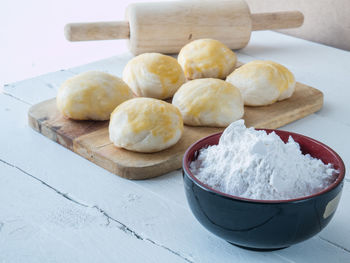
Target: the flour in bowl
(256, 165)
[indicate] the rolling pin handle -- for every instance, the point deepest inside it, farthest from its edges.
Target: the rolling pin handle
(277, 20)
(97, 31)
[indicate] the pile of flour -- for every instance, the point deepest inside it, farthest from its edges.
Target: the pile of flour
(256, 165)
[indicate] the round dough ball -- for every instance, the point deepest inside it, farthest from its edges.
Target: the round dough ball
(263, 82)
(154, 75)
(91, 95)
(145, 125)
(209, 102)
(206, 58)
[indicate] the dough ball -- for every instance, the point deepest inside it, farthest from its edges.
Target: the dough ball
(91, 95)
(154, 75)
(263, 82)
(206, 58)
(209, 102)
(145, 125)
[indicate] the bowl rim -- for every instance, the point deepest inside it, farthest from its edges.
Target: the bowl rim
(205, 187)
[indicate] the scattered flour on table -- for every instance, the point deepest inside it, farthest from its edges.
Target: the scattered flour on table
(257, 165)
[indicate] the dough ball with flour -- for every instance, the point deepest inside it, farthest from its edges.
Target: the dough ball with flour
(263, 82)
(206, 58)
(209, 102)
(91, 95)
(154, 75)
(145, 125)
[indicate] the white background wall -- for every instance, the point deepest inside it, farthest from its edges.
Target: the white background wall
(32, 40)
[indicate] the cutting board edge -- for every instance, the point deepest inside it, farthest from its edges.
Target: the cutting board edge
(129, 172)
(295, 115)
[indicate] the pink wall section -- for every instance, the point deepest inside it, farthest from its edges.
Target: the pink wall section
(32, 40)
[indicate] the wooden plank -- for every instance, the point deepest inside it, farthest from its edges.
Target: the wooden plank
(149, 207)
(51, 228)
(90, 138)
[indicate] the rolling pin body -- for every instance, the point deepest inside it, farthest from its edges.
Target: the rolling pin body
(160, 27)
(167, 26)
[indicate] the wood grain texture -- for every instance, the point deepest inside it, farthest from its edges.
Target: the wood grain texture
(97, 31)
(277, 20)
(90, 138)
(166, 27)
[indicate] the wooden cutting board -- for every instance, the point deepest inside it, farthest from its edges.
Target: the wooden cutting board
(90, 138)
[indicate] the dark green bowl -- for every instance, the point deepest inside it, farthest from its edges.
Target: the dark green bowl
(259, 224)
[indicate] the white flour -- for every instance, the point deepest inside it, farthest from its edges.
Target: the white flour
(252, 164)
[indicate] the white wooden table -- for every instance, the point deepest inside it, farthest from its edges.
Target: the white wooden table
(56, 206)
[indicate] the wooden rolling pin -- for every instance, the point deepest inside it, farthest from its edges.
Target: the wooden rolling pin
(167, 26)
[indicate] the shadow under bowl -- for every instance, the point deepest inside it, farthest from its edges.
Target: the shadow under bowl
(264, 224)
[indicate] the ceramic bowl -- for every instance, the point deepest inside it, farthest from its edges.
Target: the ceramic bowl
(259, 224)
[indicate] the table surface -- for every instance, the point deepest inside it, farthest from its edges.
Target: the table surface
(56, 206)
